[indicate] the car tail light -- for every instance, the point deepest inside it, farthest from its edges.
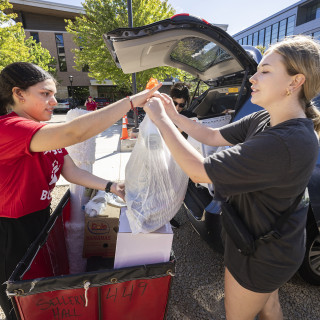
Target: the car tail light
(205, 21)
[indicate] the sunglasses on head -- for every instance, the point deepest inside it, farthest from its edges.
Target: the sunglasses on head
(181, 105)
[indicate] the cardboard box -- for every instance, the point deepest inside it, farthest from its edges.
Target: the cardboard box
(141, 248)
(100, 233)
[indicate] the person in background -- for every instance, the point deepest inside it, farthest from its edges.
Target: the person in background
(33, 155)
(180, 95)
(265, 170)
(90, 104)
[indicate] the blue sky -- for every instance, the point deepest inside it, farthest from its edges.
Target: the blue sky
(238, 14)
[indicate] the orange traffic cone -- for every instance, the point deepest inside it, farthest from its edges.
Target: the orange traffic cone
(126, 120)
(124, 134)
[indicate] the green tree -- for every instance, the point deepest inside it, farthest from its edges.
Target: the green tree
(262, 49)
(13, 45)
(103, 16)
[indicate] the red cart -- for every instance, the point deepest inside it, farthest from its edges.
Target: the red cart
(42, 288)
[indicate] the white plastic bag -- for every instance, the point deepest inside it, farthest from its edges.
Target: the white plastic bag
(155, 184)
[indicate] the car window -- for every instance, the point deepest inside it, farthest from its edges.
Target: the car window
(215, 102)
(62, 100)
(198, 53)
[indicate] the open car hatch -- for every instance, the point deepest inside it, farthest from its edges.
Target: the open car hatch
(184, 42)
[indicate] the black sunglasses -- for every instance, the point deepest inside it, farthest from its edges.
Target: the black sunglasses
(181, 105)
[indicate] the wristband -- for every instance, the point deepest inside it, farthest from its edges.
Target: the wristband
(108, 186)
(131, 103)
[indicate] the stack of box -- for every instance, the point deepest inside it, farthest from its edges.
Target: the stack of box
(141, 248)
(108, 235)
(100, 235)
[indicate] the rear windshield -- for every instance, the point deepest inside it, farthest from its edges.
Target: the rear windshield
(198, 53)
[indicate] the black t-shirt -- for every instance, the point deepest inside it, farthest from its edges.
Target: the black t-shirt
(262, 174)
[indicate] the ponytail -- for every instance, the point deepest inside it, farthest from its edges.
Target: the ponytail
(313, 113)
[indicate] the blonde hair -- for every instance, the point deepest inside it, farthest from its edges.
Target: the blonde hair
(301, 54)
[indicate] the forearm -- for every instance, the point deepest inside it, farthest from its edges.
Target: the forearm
(56, 136)
(89, 125)
(85, 178)
(199, 132)
(191, 162)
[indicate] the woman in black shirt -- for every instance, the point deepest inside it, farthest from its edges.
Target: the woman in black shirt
(270, 161)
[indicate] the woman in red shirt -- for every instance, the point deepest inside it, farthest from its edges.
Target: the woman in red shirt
(90, 104)
(32, 156)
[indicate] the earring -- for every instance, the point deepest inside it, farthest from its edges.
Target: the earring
(22, 100)
(288, 92)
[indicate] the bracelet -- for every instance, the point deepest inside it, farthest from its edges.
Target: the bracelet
(132, 107)
(108, 187)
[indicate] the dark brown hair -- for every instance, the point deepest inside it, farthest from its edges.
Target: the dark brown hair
(22, 75)
(180, 90)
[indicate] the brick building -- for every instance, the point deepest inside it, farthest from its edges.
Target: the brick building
(44, 21)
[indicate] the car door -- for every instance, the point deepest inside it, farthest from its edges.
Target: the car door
(185, 42)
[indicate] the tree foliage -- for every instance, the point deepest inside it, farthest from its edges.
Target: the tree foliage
(15, 47)
(103, 16)
(262, 49)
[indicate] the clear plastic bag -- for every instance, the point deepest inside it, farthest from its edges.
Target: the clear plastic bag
(155, 184)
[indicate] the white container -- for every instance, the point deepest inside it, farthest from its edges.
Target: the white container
(142, 248)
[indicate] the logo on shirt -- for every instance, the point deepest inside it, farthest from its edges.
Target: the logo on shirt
(54, 177)
(53, 151)
(55, 169)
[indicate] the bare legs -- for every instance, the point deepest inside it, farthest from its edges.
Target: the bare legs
(243, 304)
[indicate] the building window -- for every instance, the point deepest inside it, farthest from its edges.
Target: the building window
(261, 38)
(250, 39)
(290, 25)
(245, 41)
(274, 33)
(282, 29)
(61, 52)
(316, 35)
(35, 36)
(267, 39)
(313, 11)
(240, 41)
(255, 39)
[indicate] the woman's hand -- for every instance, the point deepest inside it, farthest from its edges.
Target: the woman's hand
(118, 189)
(142, 97)
(155, 109)
(168, 105)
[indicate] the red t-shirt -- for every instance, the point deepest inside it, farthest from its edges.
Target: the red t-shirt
(26, 178)
(91, 106)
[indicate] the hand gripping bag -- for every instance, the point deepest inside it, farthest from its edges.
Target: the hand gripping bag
(155, 184)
